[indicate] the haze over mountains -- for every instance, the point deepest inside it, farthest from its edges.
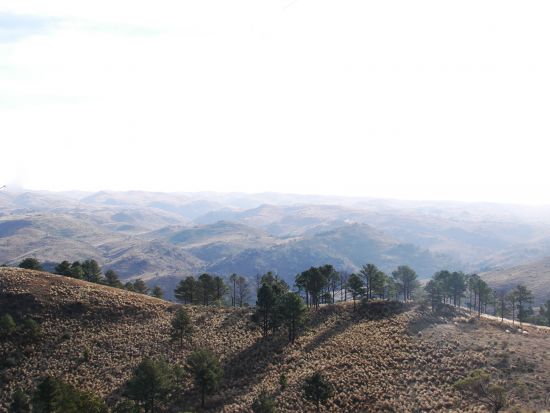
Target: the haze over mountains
(162, 237)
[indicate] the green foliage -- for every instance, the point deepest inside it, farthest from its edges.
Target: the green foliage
(112, 280)
(206, 371)
(283, 381)
(292, 311)
(127, 406)
(182, 326)
(157, 292)
(264, 403)
(91, 271)
(544, 312)
(150, 384)
(356, 287)
(266, 305)
(77, 271)
(405, 277)
(31, 264)
(31, 330)
(7, 325)
(63, 268)
(480, 388)
(140, 287)
(317, 389)
(524, 299)
(55, 396)
(187, 291)
(20, 402)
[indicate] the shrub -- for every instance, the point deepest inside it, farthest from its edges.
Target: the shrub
(479, 387)
(20, 402)
(264, 403)
(30, 264)
(7, 325)
(317, 389)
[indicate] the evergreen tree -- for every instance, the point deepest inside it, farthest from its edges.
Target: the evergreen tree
(31, 264)
(63, 268)
(55, 396)
(544, 311)
(206, 288)
(265, 307)
(293, 313)
(243, 291)
(206, 371)
(182, 327)
(317, 390)
(112, 280)
(356, 287)
(140, 286)
(219, 290)
(91, 271)
(233, 279)
(406, 277)
(524, 299)
(150, 384)
(157, 292)
(186, 291)
(77, 271)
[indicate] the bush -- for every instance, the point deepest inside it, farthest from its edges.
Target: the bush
(317, 389)
(30, 264)
(31, 330)
(7, 325)
(264, 403)
(55, 396)
(20, 402)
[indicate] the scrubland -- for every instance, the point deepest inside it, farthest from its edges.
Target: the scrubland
(383, 357)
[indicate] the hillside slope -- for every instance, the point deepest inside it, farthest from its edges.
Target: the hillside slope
(535, 275)
(374, 363)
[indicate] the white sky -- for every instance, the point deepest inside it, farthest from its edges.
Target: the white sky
(407, 99)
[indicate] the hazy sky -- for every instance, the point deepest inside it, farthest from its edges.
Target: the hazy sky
(407, 99)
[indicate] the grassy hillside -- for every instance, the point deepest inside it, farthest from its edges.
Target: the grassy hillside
(535, 275)
(93, 336)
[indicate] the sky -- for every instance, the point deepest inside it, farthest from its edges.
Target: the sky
(436, 100)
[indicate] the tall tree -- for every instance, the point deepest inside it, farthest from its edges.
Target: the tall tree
(524, 299)
(544, 311)
(77, 271)
(150, 384)
(293, 312)
(182, 326)
(112, 280)
(265, 307)
(186, 291)
(206, 371)
(219, 290)
(356, 287)
(140, 286)
(92, 271)
(206, 288)
(63, 268)
(157, 292)
(233, 279)
(406, 277)
(243, 291)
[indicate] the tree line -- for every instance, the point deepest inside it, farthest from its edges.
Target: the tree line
(469, 290)
(90, 270)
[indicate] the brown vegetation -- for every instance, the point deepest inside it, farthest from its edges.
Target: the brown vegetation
(376, 360)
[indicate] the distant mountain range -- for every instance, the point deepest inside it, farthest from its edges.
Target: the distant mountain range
(162, 237)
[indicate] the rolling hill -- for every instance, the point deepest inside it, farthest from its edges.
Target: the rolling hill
(382, 358)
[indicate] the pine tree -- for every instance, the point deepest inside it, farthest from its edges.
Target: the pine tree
(264, 403)
(317, 390)
(293, 313)
(157, 292)
(63, 268)
(206, 371)
(182, 326)
(186, 291)
(356, 287)
(150, 384)
(112, 280)
(31, 264)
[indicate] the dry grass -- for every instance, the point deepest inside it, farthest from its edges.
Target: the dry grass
(375, 365)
